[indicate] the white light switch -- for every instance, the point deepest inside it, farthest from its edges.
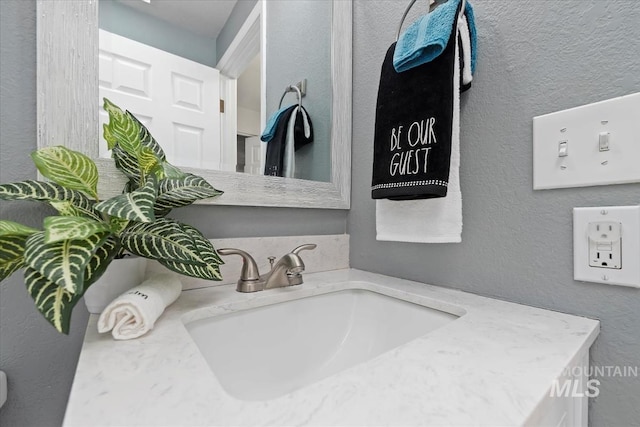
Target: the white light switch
(606, 245)
(563, 149)
(604, 139)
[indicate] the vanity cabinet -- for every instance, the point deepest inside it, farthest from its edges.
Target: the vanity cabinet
(567, 404)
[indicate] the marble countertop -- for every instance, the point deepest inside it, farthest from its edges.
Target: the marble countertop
(492, 366)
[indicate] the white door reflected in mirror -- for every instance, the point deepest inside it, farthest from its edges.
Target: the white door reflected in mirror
(253, 156)
(173, 97)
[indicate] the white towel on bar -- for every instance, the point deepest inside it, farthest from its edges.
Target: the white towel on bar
(465, 39)
(134, 313)
(289, 162)
(429, 220)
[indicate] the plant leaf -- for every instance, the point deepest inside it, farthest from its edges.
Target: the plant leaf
(117, 224)
(100, 261)
(177, 192)
(12, 242)
(162, 239)
(11, 254)
(130, 186)
(64, 262)
(108, 136)
(148, 161)
(58, 228)
(68, 168)
(207, 272)
(54, 302)
(127, 164)
(66, 201)
(123, 129)
(134, 154)
(66, 208)
(161, 213)
(135, 206)
(209, 267)
(206, 249)
(10, 228)
(171, 171)
(146, 140)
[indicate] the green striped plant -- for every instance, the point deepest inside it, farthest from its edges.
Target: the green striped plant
(75, 246)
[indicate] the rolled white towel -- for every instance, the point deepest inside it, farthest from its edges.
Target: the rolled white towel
(134, 313)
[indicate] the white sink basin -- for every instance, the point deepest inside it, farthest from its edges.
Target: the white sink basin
(265, 352)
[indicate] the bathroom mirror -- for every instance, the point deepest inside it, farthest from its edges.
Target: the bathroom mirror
(68, 113)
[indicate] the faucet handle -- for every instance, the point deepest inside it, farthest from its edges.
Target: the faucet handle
(249, 275)
(249, 270)
(305, 247)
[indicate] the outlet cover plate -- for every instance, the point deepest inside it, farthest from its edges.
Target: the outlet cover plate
(629, 218)
(594, 144)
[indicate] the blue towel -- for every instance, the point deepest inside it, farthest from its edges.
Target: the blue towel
(427, 37)
(272, 124)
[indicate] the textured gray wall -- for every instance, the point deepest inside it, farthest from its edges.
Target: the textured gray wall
(39, 362)
(126, 21)
(299, 47)
(535, 57)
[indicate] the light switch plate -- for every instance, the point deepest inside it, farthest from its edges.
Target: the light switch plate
(601, 145)
(625, 223)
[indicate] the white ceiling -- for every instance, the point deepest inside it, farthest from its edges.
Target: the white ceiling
(204, 17)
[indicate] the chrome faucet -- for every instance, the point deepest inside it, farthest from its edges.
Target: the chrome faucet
(286, 272)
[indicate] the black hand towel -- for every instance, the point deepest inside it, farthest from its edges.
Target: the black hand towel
(412, 140)
(275, 147)
(303, 134)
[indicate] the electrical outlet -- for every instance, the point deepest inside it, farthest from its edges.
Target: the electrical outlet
(606, 245)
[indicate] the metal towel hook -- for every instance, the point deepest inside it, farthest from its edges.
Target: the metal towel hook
(292, 89)
(432, 5)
